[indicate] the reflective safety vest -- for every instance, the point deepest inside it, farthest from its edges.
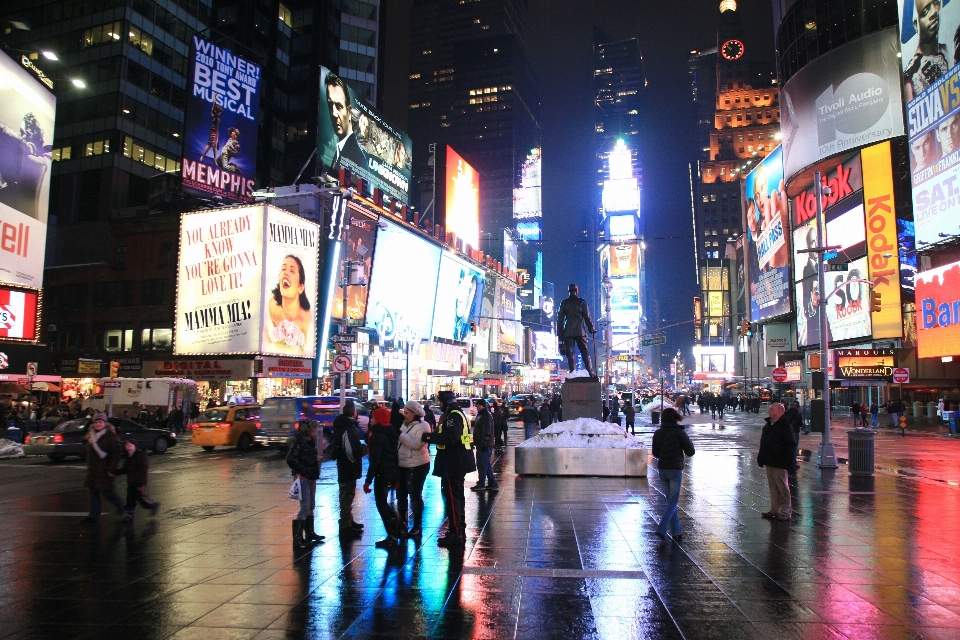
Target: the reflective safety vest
(466, 438)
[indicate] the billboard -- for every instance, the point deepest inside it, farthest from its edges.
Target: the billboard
(862, 364)
(505, 339)
(527, 197)
(938, 312)
(713, 362)
(462, 201)
(246, 283)
(459, 296)
(881, 241)
(27, 112)
(351, 135)
(625, 261)
(485, 323)
(19, 314)
(765, 209)
(220, 135)
(847, 98)
(509, 251)
(363, 239)
(402, 285)
(848, 311)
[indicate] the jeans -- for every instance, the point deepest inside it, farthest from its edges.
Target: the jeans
(484, 468)
(411, 486)
(348, 491)
(894, 419)
(381, 488)
(308, 499)
(528, 430)
(779, 485)
(875, 422)
(670, 481)
(110, 495)
(135, 495)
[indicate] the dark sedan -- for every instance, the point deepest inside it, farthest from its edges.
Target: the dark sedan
(67, 439)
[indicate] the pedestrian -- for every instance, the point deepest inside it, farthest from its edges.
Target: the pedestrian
(614, 410)
(777, 445)
(630, 413)
(453, 461)
(530, 417)
(714, 405)
(606, 411)
(795, 419)
(546, 416)
(482, 442)
(555, 408)
(102, 449)
(135, 467)
(855, 411)
(670, 444)
(396, 414)
(383, 471)
(893, 408)
(143, 417)
(874, 410)
(157, 421)
(176, 420)
(413, 456)
(303, 458)
(428, 416)
(499, 430)
(864, 414)
(348, 452)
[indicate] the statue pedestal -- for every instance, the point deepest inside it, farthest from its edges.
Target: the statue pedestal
(581, 398)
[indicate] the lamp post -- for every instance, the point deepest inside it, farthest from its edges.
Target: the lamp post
(826, 455)
(607, 286)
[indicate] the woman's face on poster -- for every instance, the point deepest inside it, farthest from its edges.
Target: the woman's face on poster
(290, 285)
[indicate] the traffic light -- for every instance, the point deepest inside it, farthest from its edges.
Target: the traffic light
(114, 368)
(746, 329)
(874, 301)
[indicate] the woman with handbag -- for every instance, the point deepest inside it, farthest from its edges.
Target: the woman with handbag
(304, 461)
(414, 459)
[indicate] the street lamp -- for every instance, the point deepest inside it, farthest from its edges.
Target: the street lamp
(607, 334)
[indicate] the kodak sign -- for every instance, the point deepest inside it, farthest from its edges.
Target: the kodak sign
(882, 239)
(843, 180)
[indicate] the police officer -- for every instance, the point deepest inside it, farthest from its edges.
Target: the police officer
(453, 461)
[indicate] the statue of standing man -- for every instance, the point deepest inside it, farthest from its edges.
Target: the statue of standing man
(573, 322)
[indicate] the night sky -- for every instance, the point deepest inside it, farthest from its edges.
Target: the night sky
(559, 45)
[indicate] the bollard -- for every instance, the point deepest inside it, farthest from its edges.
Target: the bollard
(655, 417)
(860, 452)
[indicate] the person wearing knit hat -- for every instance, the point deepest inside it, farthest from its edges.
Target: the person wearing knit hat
(414, 459)
(103, 451)
(383, 472)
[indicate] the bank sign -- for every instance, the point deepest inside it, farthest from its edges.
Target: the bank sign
(863, 364)
(938, 312)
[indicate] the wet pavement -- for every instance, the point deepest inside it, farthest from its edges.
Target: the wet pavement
(872, 557)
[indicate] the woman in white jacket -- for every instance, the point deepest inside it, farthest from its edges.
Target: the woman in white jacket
(414, 459)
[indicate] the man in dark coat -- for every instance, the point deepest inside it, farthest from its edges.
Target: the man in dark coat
(103, 452)
(630, 413)
(614, 410)
(499, 425)
(777, 447)
(530, 416)
(573, 322)
(483, 441)
(453, 461)
(136, 467)
(546, 416)
(346, 431)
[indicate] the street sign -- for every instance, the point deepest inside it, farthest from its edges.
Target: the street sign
(652, 340)
(839, 266)
(342, 363)
(901, 375)
(779, 374)
(343, 338)
(31, 369)
(111, 384)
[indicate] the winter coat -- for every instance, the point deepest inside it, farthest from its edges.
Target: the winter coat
(429, 416)
(629, 411)
(555, 405)
(499, 418)
(135, 467)
(303, 458)
(795, 420)
(777, 445)
(483, 430)
(545, 416)
(573, 318)
(100, 471)
(412, 450)
(454, 458)
(382, 441)
(670, 444)
(348, 471)
(529, 414)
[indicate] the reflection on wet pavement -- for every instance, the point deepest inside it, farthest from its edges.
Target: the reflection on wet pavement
(864, 557)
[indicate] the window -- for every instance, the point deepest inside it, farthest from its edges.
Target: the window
(102, 34)
(153, 292)
(114, 340)
(359, 8)
(120, 257)
(96, 148)
(66, 297)
(156, 339)
(68, 339)
(136, 151)
(141, 40)
(113, 294)
(286, 17)
(166, 253)
(62, 153)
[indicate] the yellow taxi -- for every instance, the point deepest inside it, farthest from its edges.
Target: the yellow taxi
(229, 426)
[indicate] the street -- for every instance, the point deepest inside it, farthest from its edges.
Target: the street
(545, 558)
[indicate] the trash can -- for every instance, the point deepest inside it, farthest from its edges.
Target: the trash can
(952, 418)
(860, 456)
(917, 409)
(14, 434)
(655, 417)
(931, 409)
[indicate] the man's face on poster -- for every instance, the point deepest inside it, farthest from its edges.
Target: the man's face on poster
(339, 111)
(927, 22)
(924, 151)
(948, 134)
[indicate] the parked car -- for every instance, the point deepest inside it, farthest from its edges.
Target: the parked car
(67, 439)
(517, 402)
(469, 406)
(230, 426)
(279, 416)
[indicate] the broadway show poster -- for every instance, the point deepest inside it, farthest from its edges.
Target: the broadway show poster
(350, 134)
(459, 294)
(220, 140)
(290, 270)
(363, 240)
(220, 282)
(765, 209)
(27, 111)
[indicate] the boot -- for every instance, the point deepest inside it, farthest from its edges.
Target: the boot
(298, 541)
(402, 532)
(417, 531)
(309, 534)
(391, 540)
(357, 525)
(347, 530)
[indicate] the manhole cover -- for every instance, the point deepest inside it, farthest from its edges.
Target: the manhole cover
(205, 511)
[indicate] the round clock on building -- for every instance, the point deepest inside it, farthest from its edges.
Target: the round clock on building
(732, 49)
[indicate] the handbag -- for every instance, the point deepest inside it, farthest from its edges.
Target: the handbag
(295, 489)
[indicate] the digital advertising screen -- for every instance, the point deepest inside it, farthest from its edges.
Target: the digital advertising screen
(459, 296)
(713, 362)
(27, 111)
(486, 322)
(462, 199)
(19, 314)
(363, 240)
(846, 229)
(352, 135)
(220, 137)
(505, 334)
(938, 312)
(625, 260)
(848, 311)
(527, 201)
(845, 99)
(767, 225)
(402, 285)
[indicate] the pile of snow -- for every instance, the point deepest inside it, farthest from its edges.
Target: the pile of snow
(655, 405)
(583, 433)
(10, 449)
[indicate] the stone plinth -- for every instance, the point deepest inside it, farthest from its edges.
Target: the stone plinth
(581, 398)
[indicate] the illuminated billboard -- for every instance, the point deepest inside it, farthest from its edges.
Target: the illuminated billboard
(462, 199)
(459, 296)
(27, 111)
(620, 195)
(842, 100)
(527, 201)
(393, 310)
(881, 240)
(352, 135)
(625, 260)
(713, 362)
(938, 312)
(768, 246)
(848, 311)
(505, 334)
(363, 239)
(862, 364)
(19, 314)
(246, 283)
(220, 137)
